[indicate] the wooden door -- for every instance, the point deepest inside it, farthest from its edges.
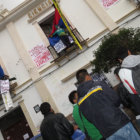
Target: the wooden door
(18, 131)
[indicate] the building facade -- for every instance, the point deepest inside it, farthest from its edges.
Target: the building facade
(24, 26)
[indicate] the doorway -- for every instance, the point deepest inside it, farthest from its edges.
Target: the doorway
(14, 126)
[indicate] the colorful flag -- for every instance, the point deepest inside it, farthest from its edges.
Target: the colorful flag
(57, 22)
(54, 40)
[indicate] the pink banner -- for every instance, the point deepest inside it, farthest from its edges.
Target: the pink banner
(108, 3)
(40, 55)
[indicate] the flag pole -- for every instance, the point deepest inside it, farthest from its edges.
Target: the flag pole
(66, 24)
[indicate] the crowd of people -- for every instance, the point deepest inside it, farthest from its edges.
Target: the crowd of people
(99, 111)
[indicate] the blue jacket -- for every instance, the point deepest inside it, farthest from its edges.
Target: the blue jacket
(1, 72)
(100, 105)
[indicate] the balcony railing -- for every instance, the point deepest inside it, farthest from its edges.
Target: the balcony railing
(70, 50)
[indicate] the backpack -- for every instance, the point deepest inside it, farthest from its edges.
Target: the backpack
(136, 77)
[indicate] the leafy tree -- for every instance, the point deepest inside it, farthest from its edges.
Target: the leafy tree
(106, 56)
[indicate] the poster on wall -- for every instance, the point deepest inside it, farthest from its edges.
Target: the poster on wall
(108, 3)
(4, 86)
(40, 55)
(7, 100)
(4, 91)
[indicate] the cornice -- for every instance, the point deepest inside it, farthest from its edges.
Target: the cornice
(19, 11)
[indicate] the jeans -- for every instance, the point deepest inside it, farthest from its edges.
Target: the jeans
(127, 132)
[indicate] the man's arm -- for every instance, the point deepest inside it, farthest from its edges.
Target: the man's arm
(66, 124)
(77, 117)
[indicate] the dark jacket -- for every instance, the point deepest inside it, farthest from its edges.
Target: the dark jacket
(56, 127)
(101, 107)
(83, 124)
(124, 95)
(131, 101)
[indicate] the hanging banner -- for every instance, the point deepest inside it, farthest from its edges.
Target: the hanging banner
(40, 55)
(7, 100)
(108, 3)
(4, 90)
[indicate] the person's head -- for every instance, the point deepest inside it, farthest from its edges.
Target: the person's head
(116, 72)
(82, 76)
(122, 53)
(45, 108)
(73, 97)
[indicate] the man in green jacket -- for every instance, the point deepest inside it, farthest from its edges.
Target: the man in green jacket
(81, 121)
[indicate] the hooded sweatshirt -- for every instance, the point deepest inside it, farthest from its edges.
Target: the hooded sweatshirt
(126, 75)
(131, 61)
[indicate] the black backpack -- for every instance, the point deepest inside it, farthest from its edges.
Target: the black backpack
(136, 77)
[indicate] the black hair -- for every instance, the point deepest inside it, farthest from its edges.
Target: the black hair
(116, 71)
(80, 75)
(72, 96)
(45, 108)
(122, 52)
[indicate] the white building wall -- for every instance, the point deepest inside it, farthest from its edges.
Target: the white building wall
(31, 99)
(27, 32)
(135, 22)
(79, 13)
(11, 59)
(120, 9)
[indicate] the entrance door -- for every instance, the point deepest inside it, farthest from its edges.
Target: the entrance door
(15, 127)
(19, 131)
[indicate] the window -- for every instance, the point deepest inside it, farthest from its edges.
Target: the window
(61, 42)
(47, 24)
